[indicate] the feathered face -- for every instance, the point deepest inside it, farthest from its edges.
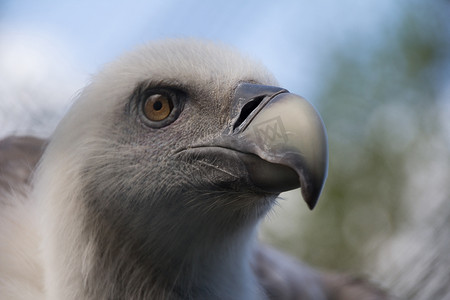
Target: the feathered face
(166, 136)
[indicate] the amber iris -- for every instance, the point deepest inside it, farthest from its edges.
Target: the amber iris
(157, 107)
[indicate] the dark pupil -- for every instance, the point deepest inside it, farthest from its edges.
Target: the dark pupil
(157, 105)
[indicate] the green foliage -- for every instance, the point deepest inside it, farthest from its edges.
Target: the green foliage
(377, 106)
(379, 99)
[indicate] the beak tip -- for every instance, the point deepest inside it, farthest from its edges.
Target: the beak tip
(311, 190)
(311, 205)
(311, 200)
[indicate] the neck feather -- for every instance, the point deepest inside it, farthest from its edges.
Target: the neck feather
(102, 260)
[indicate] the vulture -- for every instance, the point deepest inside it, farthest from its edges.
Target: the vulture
(153, 185)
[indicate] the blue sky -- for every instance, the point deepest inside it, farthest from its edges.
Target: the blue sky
(57, 45)
(286, 35)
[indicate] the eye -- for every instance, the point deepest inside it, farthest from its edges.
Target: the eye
(160, 106)
(157, 107)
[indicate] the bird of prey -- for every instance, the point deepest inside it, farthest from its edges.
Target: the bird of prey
(154, 183)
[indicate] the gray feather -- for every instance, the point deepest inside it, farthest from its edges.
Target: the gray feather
(126, 216)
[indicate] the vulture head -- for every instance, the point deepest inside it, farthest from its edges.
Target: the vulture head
(153, 185)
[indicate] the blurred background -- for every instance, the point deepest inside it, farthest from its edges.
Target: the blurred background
(377, 71)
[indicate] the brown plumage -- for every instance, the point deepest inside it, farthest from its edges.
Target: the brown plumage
(18, 158)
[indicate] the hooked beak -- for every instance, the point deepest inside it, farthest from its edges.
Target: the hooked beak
(286, 132)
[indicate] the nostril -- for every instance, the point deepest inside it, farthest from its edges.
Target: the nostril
(247, 110)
